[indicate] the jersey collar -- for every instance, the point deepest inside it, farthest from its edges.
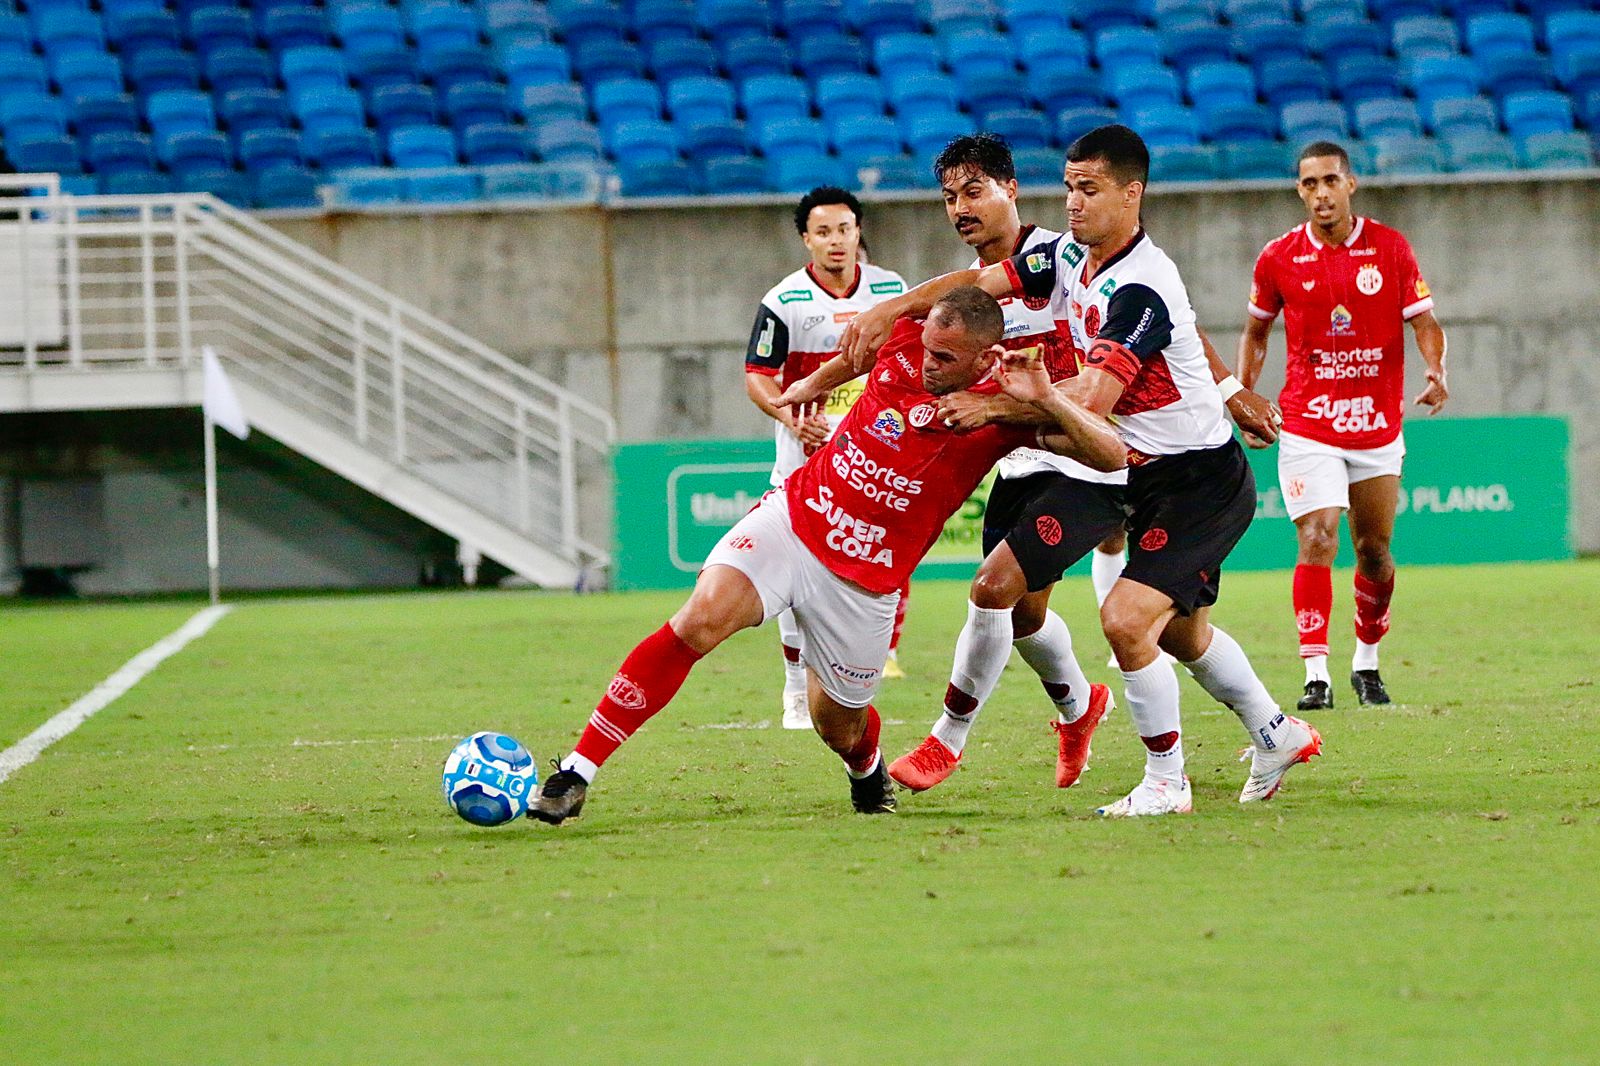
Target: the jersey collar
(1121, 254)
(1349, 242)
(851, 291)
(1022, 238)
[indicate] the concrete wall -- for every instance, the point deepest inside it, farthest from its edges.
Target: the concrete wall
(1512, 264)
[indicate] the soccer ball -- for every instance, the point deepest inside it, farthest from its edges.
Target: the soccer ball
(488, 778)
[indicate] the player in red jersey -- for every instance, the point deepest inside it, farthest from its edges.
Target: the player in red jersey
(838, 541)
(1346, 286)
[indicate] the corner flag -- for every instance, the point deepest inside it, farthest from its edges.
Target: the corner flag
(221, 403)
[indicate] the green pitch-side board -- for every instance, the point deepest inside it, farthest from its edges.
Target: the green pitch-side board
(1475, 490)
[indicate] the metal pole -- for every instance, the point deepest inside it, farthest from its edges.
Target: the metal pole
(213, 554)
(30, 345)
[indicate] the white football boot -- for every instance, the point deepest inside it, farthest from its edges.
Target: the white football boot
(796, 712)
(1297, 744)
(1152, 796)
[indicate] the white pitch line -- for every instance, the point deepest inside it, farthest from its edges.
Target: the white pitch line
(101, 696)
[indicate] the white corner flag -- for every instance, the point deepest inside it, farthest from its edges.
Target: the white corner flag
(221, 402)
(220, 406)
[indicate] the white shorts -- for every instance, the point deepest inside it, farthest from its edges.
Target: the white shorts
(844, 629)
(1314, 475)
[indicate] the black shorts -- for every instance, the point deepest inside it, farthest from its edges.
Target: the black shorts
(1187, 511)
(1051, 521)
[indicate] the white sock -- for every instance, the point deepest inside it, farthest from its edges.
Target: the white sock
(1225, 672)
(1317, 669)
(1104, 569)
(794, 673)
(1152, 693)
(1049, 652)
(981, 653)
(1366, 656)
(871, 769)
(581, 766)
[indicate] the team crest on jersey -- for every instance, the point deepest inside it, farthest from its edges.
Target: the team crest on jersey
(1340, 323)
(888, 427)
(1369, 279)
(1422, 290)
(921, 415)
(742, 544)
(1036, 303)
(1091, 322)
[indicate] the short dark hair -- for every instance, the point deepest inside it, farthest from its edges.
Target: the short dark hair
(976, 311)
(1122, 150)
(823, 196)
(986, 153)
(1323, 149)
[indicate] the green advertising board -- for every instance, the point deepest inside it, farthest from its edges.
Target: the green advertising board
(1475, 490)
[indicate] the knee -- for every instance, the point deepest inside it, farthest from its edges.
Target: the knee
(997, 589)
(1319, 544)
(1123, 628)
(1372, 550)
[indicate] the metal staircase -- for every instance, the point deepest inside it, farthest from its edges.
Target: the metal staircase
(106, 302)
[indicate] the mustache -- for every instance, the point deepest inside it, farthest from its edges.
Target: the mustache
(962, 220)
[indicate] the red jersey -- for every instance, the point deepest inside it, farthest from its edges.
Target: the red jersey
(872, 502)
(1344, 310)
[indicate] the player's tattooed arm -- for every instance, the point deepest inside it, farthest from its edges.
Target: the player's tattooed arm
(865, 333)
(1432, 344)
(1076, 431)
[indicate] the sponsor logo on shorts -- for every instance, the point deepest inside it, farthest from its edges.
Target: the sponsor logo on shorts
(1369, 279)
(1049, 530)
(889, 426)
(1296, 488)
(861, 676)
(921, 415)
(625, 693)
(1310, 620)
(1340, 322)
(1154, 540)
(742, 543)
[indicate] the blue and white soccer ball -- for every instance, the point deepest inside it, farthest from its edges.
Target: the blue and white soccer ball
(488, 779)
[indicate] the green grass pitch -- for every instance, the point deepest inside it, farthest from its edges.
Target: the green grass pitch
(246, 858)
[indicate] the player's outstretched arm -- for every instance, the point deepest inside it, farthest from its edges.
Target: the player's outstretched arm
(1253, 413)
(815, 387)
(1432, 344)
(810, 426)
(865, 333)
(1077, 432)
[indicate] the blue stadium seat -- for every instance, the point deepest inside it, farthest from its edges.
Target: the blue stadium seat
(339, 148)
(1578, 71)
(422, 146)
(871, 20)
(516, 21)
(515, 181)
(789, 136)
(321, 108)
(700, 100)
(1334, 41)
(1103, 13)
(1039, 50)
(15, 36)
(442, 185)
(1074, 122)
(367, 185)
(546, 103)
(310, 66)
(454, 66)
(291, 26)
(928, 133)
(44, 155)
(1183, 162)
(137, 29)
(1021, 127)
(771, 96)
(657, 177)
(950, 18)
(897, 171)
(284, 187)
(1387, 117)
(1215, 84)
(725, 20)
(599, 60)
(993, 90)
(475, 103)
(584, 22)
(115, 153)
(1451, 115)
(1305, 121)
(31, 115)
(1144, 85)
(536, 64)
(861, 136)
(1424, 36)
(1505, 73)
(1389, 12)
(1238, 123)
(1126, 45)
(705, 141)
(906, 53)
(802, 173)
(1243, 12)
(134, 182)
(563, 141)
(1269, 41)
(801, 17)
(1037, 166)
(823, 54)
(734, 176)
(155, 69)
(232, 68)
(916, 94)
(1569, 31)
(67, 30)
(384, 66)
(642, 140)
(441, 24)
(266, 149)
(1499, 34)
(368, 26)
(173, 110)
(1363, 77)
(1178, 13)
(224, 183)
(664, 20)
(1540, 111)
(211, 28)
(1197, 45)
(1408, 155)
(1254, 161)
(754, 56)
(1556, 151)
(843, 95)
(1166, 124)
(981, 51)
(1478, 150)
(682, 58)
(626, 100)
(194, 150)
(490, 143)
(1437, 77)
(76, 74)
(397, 106)
(1062, 90)
(103, 112)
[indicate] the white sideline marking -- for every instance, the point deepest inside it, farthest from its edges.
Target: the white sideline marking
(101, 696)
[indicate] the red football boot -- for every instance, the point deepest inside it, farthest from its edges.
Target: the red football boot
(925, 767)
(1073, 753)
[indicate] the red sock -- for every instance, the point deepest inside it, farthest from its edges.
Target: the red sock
(900, 615)
(859, 758)
(646, 682)
(1313, 602)
(1372, 608)
(790, 655)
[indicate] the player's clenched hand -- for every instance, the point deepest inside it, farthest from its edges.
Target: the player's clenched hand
(1023, 377)
(1434, 396)
(864, 334)
(800, 395)
(963, 412)
(810, 425)
(1257, 416)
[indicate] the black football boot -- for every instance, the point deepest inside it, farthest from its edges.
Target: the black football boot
(1318, 697)
(873, 794)
(560, 797)
(1369, 688)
